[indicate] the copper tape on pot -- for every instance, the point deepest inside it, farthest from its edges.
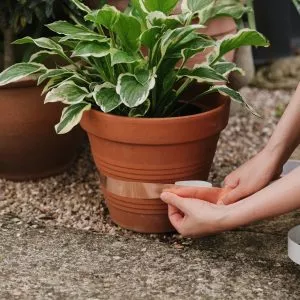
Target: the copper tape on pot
(128, 189)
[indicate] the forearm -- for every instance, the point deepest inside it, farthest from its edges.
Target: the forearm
(278, 198)
(287, 134)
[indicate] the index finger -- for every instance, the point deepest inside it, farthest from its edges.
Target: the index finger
(211, 195)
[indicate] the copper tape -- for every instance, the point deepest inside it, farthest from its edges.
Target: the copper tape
(141, 190)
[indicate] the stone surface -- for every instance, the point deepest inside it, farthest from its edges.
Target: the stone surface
(58, 242)
(56, 263)
(296, 154)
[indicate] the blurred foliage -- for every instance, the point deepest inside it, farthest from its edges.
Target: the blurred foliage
(28, 17)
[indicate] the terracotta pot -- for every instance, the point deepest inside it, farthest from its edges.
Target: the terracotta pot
(162, 150)
(29, 146)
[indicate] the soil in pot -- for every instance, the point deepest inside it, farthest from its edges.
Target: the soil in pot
(162, 151)
(29, 147)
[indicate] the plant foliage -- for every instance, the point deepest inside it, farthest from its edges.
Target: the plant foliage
(133, 64)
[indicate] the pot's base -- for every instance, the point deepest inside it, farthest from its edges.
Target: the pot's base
(27, 176)
(152, 218)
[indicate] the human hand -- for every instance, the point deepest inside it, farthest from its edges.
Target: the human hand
(192, 217)
(251, 177)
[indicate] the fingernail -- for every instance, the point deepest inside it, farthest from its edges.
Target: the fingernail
(220, 202)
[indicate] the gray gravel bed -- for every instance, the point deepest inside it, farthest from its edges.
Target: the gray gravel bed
(74, 199)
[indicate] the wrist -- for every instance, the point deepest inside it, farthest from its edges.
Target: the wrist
(276, 153)
(235, 215)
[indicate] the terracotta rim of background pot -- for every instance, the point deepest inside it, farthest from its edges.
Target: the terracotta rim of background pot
(159, 150)
(30, 149)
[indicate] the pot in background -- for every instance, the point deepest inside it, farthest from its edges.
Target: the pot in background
(29, 146)
(162, 150)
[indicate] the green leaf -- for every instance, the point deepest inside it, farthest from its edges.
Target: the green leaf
(202, 73)
(58, 73)
(42, 42)
(230, 8)
(81, 6)
(245, 37)
(159, 19)
(196, 5)
(66, 28)
(86, 37)
(128, 30)
(234, 95)
(172, 38)
(165, 6)
(67, 93)
(40, 56)
(107, 16)
(134, 89)
(95, 49)
(225, 68)
(106, 97)
(121, 57)
(71, 116)
(194, 46)
(19, 71)
(150, 36)
(141, 110)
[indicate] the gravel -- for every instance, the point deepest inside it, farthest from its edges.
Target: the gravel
(74, 199)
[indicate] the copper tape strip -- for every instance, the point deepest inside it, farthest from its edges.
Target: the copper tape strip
(138, 190)
(143, 190)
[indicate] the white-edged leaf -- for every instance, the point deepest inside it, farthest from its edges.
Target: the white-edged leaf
(67, 93)
(134, 89)
(128, 30)
(42, 42)
(150, 36)
(171, 38)
(107, 16)
(71, 116)
(202, 73)
(141, 110)
(106, 97)
(81, 6)
(234, 95)
(95, 49)
(59, 73)
(121, 57)
(40, 56)
(165, 6)
(226, 67)
(195, 5)
(88, 37)
(66, 28)
(20, 71)
(245, 37)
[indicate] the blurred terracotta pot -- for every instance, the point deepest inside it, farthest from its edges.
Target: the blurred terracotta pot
(29, 146)
(145, 150)
(119, 4)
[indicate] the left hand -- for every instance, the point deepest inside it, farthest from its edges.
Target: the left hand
(193, 217)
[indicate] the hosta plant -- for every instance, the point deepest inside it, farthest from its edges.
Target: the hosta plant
(132, 64)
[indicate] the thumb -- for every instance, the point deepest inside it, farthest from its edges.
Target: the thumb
(233, 196)
(173, 200)
(231, 181)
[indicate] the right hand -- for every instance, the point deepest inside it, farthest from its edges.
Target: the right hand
(251, 177)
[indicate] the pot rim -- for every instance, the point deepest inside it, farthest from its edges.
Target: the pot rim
(145, 120)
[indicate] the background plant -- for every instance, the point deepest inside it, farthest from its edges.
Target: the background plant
(17, 16)
(133, 64)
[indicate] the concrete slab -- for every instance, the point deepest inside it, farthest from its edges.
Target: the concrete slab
(56, 263)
